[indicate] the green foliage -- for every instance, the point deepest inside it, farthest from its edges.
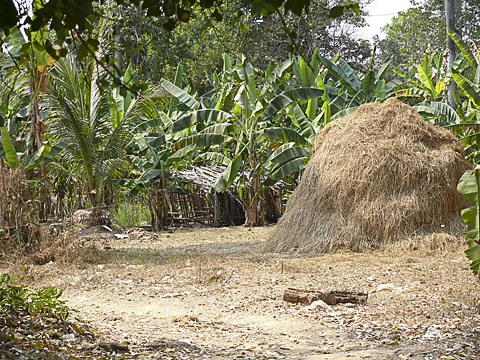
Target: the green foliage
(44, 155)
(95, 125)
(410, 34)
(268, 39)
(154, 52)
(242, 124)
(469, 186)
(464, 121)
(346, 89)
(421, 30)
(41, 302)
(429, 82)
(74, 24)
(9, 151)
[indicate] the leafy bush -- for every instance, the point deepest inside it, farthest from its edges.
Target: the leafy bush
(20, 299)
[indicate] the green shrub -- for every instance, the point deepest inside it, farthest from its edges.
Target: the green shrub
(20, 299)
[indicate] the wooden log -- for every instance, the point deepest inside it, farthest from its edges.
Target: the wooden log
(331, 297)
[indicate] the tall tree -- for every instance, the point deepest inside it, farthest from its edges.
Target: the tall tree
(409, 35)
(450, 26)
(155, 52)
(423, 28)
(315, 30)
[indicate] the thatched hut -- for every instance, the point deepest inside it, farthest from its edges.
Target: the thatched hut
(192, 204)
(377, 176)
(196, 203)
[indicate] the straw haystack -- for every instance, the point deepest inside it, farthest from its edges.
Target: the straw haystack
(377, 176)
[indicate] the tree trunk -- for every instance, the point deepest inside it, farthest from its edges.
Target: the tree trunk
(158, 204)
(450, 25)
(38, 86)
(118, 46)
(254, 205)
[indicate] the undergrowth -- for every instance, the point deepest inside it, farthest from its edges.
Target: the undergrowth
(23, 238)
(34, 324)
(45, 301)
(19, 213)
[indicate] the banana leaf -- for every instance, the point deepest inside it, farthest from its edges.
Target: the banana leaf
(283, 170)
(217, 128)
(288, 154)
(180, 94)
(436, 108)
(425, 76)
(380, 90)
(382, 71)
(471, 90)
(464, 48)
(276, 74)
(203, 140)
(343, 113)
(181, 154)
(10, 154)
(469, 186)
(228, 176)
(206, 115)
(214, 157)
(288, 97)
(281, 134)
(336, 71)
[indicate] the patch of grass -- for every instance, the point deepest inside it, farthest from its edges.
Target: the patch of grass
(132, 215)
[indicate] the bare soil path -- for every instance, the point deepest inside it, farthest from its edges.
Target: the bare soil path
(211, 294)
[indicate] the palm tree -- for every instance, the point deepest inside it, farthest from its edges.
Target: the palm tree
(94, 129)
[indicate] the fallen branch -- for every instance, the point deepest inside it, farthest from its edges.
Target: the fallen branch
(331, 297)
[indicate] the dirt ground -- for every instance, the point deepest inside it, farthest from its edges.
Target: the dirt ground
(211, 294)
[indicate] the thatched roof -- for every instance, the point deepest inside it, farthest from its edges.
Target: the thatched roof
(201, 176)
(377, 176)
(206, 176)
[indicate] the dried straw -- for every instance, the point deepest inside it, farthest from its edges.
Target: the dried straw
(377, 176)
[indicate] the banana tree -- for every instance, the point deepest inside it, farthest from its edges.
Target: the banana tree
(155, 152)
(154, 178)
(313, 75)
(428, 83)
(153, 156)
(352, 88)
(14, 83)
(31, 67)
(14, 158)
(244, 135)
(465, 120)
(469, 186)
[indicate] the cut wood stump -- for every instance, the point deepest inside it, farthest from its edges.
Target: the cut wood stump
(331, 297)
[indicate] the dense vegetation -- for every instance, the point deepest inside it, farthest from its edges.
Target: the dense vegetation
(112, 111)
(102, 107)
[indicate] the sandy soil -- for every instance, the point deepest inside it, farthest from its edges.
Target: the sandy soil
(210, 293)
